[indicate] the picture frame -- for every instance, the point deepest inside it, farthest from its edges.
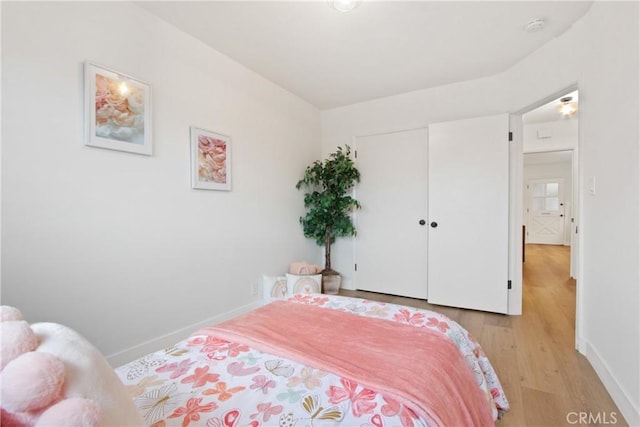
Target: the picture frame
(117, 111)
(210, 160)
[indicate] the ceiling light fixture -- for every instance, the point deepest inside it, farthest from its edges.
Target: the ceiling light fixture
(344, 5)
(567, 106)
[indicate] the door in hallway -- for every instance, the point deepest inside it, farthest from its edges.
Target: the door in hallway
(545, 210)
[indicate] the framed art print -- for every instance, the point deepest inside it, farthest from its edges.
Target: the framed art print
(210, 160)
(117, 111)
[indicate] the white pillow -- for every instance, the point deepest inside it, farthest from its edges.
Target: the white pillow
(274, 287)
(88, 374)
(304, 284)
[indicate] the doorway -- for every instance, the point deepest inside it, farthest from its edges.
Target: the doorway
(545, 209)
(550, 204)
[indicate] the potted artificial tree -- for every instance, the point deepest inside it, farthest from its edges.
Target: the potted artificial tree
(329, 204)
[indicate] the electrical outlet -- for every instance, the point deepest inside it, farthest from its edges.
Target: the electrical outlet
(254, 289)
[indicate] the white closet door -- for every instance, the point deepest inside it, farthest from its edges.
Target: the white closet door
(391, 246)
(469, 213)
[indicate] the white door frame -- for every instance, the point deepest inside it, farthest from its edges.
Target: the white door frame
(517, 209)
(516, 169)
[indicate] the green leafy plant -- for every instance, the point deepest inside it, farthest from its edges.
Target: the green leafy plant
(328, 201)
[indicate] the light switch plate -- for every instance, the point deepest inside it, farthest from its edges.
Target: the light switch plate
(592, 186)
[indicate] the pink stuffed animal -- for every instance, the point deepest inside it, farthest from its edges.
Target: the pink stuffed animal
(32, 381)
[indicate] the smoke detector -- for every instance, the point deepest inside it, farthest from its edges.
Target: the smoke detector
(534, 25)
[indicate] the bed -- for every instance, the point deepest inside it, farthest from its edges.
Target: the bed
(320, 360)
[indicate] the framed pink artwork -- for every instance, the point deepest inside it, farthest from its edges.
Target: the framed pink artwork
(210, 160)
(117, 111)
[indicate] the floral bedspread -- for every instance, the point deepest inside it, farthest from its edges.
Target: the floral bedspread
(204, 381)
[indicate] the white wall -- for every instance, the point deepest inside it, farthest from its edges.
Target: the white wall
(600, 54)
(117, 245)
(563, 135)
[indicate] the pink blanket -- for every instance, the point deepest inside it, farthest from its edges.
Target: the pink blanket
(416, 366)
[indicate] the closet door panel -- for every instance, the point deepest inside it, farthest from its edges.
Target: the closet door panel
(469, 213)
(391, 245)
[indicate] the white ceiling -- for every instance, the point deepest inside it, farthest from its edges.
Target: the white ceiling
(381, 48)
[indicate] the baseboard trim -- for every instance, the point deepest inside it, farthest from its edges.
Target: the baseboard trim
(630, 411)
(127, 355)
(347, 284)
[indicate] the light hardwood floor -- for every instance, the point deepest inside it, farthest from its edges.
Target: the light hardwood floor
(547, 382)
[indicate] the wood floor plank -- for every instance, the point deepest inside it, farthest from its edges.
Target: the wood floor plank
(545, 409)
(537, 364)
(501, 348)
(547, 382)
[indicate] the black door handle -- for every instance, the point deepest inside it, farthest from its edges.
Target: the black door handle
(434, 224)
(422, 222)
